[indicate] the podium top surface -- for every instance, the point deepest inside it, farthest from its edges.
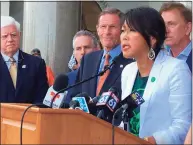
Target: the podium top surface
(60, 115)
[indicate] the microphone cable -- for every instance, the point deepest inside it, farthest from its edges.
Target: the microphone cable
(22, 119)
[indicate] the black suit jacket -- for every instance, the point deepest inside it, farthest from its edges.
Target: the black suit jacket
(89, 67)
(31, 86)
(71, 81)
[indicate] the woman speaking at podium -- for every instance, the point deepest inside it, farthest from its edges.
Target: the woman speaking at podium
(163, 82)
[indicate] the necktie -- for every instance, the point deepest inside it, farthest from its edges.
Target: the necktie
(13, 71)
(104, 76)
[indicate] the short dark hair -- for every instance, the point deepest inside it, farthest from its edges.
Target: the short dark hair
(113, 11)
(148, 22)
(86, 33)
(36, 51)
(184, 11)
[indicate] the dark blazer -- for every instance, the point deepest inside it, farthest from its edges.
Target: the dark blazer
(89, 67)
(31, 86)
(189, 61)
(71, 81)
(72, 77)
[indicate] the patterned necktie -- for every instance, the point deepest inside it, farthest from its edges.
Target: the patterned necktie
(104, 76)
(13, 71)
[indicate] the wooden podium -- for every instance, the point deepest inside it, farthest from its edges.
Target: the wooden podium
(58, 126)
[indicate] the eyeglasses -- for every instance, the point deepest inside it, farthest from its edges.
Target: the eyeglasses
(13, 36)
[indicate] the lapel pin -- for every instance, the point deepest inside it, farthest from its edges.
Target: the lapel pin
(153, 79)
(23, 66)
(121, 66)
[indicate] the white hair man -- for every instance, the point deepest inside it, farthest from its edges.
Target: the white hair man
(22, 76)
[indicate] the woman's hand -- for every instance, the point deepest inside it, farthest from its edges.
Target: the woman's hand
(150, 139)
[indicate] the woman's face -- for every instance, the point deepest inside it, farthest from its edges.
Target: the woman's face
(132, 43)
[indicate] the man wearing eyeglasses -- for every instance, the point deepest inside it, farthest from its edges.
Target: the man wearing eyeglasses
(22, 76)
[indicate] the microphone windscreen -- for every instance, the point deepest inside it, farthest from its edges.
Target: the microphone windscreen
(60, 82)
(95, 99)
(92, 108)
(74, 103)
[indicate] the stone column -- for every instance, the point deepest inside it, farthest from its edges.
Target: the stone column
(50, 26)
(188, 4)
(156, 4)
(5, 8)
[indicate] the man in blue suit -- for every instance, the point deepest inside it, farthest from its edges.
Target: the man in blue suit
(178, 21)
(84, 42)
(22, 76)
(108, 29)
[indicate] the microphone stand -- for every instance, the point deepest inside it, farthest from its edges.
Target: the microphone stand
(125, 120)
(118, 116)
(99, 74)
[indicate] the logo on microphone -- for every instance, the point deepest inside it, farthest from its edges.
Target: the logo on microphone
(53, 94)
(108, 99)
(82, 102)
(137, 98)
(58, 100)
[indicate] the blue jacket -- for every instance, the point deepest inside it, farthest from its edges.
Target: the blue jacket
(71, 81)
(72, 77)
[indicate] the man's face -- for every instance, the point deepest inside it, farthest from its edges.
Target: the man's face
(109, 30)
(9, 40)
(176, 27)
(82, 45)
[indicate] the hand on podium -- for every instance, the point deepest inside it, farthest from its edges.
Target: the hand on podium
(150, 139)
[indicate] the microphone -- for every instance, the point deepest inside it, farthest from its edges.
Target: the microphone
(94, 100)
(92, 77)
(127, 106)
(64, 88)
(133, 100)
(83, 99)
(85, 95)
(107, 103)
(73, 104)
(91, 103)
(89, 100)
(106, 67)
(54, 98)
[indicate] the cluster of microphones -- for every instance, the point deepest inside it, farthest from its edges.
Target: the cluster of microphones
(107, 106)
